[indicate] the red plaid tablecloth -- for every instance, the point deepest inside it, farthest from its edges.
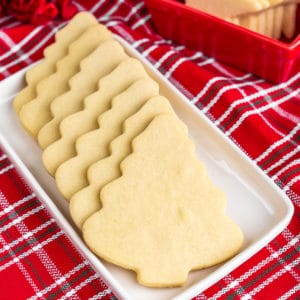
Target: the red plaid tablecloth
(37, 260)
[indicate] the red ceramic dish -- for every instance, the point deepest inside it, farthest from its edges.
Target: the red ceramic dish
(274, 60)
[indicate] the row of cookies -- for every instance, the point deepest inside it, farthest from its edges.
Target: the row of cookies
(123, 159)
(268, 17)
(279, 17)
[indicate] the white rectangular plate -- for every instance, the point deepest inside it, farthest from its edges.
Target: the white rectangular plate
(260, 208)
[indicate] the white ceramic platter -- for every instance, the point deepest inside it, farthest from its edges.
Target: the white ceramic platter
(260, 208)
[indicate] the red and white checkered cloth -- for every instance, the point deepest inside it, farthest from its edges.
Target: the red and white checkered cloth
(37, 260)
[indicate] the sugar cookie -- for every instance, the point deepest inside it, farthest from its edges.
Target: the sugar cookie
(87, 201)
(277, 21)
(53, 54)
(163, 217)
(86, 120)
(289, 20)
(94, 145)
(36, 113)
(98, 64)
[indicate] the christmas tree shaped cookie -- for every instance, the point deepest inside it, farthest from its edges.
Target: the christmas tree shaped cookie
(163, 217)
(53, 54)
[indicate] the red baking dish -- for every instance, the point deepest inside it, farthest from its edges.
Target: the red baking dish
(274, 60)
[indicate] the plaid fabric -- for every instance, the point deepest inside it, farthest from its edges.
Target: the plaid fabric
(37, 259)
